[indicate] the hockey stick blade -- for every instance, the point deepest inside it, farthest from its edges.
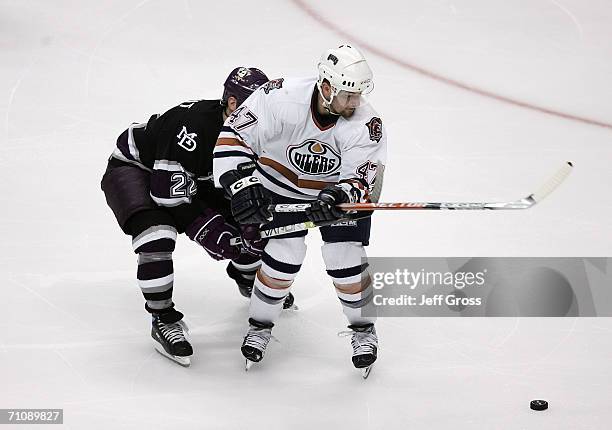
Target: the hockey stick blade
(552, 184)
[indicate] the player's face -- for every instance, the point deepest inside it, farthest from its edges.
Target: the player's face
(232, 105)
(345, 103)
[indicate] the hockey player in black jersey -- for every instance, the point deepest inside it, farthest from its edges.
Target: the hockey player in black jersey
(158, 183)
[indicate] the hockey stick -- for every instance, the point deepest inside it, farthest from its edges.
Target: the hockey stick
(292, 228)
(525, 203)
(277, 231)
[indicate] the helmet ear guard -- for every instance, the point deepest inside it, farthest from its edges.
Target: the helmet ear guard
(327, 103)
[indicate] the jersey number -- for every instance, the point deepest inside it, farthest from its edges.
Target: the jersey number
(242, 118)
(182, 185)
(188, 104)
(364, 172)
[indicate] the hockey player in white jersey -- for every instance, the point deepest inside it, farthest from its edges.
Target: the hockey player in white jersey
(307, 140)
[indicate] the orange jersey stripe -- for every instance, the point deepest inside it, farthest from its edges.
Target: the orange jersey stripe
(230, 141)
(293, 177)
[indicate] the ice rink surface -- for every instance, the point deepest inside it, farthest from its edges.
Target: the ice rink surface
(73, 332)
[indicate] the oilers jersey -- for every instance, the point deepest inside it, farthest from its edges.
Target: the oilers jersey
(298, 152)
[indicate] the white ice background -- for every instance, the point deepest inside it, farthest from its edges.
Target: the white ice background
(73, 331)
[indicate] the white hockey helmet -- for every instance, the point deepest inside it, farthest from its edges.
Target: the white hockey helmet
(346, 69)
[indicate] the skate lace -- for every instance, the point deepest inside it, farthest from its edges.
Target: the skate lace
(172, 332)
(363, 342)
(258, 338)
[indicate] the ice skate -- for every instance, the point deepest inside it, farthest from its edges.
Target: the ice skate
(289, 303)
(244, 280)
(365, 347)
(255, 342)
(170, 333)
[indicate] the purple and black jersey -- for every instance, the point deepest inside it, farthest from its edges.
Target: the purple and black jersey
(176, 148)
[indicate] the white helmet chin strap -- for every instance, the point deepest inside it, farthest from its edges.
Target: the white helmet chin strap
(326, 103)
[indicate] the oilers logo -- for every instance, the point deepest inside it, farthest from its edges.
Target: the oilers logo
(314, 157)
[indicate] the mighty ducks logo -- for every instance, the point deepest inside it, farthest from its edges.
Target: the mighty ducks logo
(243, 72)
(375, 128)
(313, 157)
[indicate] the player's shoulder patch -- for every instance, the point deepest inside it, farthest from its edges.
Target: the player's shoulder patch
(274, 84)
(375, 129)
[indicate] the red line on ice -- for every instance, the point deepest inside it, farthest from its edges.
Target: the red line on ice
(448, 81)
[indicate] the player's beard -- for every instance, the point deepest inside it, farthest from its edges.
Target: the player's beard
(347, 112)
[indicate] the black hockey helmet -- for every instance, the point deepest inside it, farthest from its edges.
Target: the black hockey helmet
(242, 82)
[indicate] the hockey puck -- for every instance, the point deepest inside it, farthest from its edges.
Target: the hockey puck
(539, 405)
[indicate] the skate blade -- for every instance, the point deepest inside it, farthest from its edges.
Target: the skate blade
(292, 308)
(183, 361)
(248, 364)
(365, 372)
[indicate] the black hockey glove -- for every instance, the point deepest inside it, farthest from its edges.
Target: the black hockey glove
(323, 210)
(249, 199)
(212, 232)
